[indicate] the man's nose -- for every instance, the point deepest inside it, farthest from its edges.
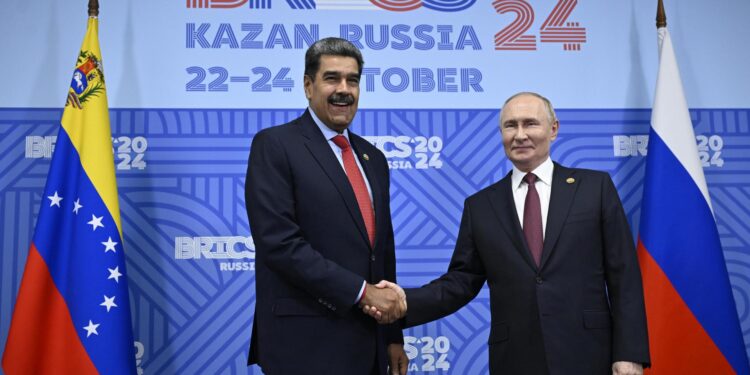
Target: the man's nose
(342, 86)
(521, 134)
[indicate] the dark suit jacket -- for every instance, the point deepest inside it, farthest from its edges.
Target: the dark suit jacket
(579, 311)
(313, 253)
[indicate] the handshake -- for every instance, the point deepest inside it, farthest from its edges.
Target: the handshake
(384, 301)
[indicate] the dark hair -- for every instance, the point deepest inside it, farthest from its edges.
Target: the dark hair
(333, 47)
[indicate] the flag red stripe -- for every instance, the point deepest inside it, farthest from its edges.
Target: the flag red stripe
(678, 342)
(42, 338)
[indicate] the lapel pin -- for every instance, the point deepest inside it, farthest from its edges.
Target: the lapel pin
(570, 180)
(365, 157)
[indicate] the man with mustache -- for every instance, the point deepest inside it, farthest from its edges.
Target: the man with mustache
(555, 248)
(318, 203)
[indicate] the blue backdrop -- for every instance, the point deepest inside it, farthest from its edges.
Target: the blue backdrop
(183, 116)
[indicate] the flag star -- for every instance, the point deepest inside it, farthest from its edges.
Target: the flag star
(109, 302)
(110, 245)
(77, 206)
(114, 274)
(54, 200)
(91, 329)
(96, 222)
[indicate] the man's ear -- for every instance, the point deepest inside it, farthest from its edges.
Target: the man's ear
(555, 129)
(308, 82)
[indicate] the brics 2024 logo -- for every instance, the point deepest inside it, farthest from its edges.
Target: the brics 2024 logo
(391, 5)
(515, 36)
(556, 28)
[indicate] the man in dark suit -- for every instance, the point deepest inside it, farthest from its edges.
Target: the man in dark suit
(555, 248)
(318, 202)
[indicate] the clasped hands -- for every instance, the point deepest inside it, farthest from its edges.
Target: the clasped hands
(384, 301)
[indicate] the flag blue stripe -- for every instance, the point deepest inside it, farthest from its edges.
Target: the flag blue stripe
(679, 231)
(78, 264)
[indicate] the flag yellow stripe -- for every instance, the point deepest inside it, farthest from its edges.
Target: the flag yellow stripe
(91, 135)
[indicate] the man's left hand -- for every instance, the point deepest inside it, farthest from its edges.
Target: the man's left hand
(627, 368)
(398, 362)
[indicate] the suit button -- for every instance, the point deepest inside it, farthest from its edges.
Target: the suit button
(372, 258)
(320, 300)
(539, 280)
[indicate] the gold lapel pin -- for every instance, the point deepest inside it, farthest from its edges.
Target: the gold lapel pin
(365, 157)
(570, 180)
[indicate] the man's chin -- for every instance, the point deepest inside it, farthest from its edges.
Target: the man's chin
(521, 157)
(339, 124)
(520, 162)
(342, 120)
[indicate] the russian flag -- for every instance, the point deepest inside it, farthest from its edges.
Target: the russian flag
(72, 314)
(692, 318)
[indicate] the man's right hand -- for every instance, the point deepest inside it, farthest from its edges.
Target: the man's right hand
(384, 301)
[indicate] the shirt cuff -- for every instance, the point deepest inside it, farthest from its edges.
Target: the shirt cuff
(361, 292)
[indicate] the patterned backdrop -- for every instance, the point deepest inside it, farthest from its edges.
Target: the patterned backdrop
(181, 176)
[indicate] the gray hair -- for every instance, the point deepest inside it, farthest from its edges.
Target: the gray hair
(547, 104)
(332, 47)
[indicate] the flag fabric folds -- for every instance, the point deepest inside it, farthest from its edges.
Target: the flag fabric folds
(72, 314)
(692, 317)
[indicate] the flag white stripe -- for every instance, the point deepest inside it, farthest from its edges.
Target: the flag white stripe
(671, 118)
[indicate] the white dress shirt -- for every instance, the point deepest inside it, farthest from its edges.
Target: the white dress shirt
(543, 186)
(329, 133)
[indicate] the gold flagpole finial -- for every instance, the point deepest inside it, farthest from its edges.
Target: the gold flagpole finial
(93, 8)
(661, 16)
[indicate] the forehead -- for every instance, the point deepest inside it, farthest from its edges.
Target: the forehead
(338, 64)
(522, 107)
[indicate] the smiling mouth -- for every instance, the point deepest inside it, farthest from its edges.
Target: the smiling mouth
(339, 109)
(341, 100)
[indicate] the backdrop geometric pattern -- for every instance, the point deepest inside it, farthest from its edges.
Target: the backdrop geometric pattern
(181, 176)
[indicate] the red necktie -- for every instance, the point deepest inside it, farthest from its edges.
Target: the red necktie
(358, 185)
(532, 219)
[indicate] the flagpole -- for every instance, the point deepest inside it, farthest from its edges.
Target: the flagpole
(93, 8)
(661, 16)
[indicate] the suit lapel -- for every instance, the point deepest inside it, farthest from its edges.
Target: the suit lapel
(564, 186)
(321, 152)
(504, 207)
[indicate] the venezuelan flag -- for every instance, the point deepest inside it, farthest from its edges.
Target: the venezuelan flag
(692, 317)
(72, 315)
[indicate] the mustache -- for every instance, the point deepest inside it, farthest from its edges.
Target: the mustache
(347, 99)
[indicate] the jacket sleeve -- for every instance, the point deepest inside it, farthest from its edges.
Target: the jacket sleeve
(280, 243)
(454, 289)
(624, 285)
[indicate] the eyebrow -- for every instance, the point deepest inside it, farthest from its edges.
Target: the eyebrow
(338, 73)
(523, 119)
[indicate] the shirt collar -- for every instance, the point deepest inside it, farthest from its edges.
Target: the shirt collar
(543, 173)
(328, 133)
